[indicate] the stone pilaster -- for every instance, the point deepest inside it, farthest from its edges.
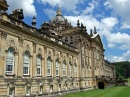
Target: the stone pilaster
(34, 59)
(20, 57)
(2, 53)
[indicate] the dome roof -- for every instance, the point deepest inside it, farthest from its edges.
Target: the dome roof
(58, 17)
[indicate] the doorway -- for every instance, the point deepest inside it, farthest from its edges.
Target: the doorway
(101, 85)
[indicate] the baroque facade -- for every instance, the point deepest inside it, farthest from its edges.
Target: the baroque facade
(54, 59)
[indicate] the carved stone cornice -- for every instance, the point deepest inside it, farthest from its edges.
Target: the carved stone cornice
(3, 35)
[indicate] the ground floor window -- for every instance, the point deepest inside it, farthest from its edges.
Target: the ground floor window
(51, 88)
(66, 87)
(59, 87)
(41, 89)
(28, 90)
(11, 91)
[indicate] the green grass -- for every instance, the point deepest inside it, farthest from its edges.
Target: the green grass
(119, 91)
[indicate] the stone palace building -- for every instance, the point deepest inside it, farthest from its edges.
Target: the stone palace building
(54, 59)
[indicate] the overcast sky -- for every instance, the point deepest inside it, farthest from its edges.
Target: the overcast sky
(111, 18)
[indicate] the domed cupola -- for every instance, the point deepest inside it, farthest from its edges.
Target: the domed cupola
(58, 18)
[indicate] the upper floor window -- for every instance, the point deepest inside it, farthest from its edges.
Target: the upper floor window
(64, 68)
(57, 67)
(26, 63)
(49, 66)
(70, 69)
(82, 71)
(39, 64)
(75, 70)
(10, 61)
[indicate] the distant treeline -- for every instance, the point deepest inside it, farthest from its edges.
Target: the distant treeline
(122, 69)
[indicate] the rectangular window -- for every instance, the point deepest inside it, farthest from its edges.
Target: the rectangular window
(28, 90)
(64, 69)
(49, 68)
(57, 68)
(11, 91)
(26, 65)
(38, 71)
(51, 88)
(9, 65)
(41, 89)
(75, 71)
(69, 70)
(39, 66)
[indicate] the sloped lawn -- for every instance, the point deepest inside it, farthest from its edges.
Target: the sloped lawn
(119, 91)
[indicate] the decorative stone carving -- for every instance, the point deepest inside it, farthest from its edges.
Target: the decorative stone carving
(39, 51)
(20, 39)
(11, 43)
(27, 48)
(34, 47)
(3, 35)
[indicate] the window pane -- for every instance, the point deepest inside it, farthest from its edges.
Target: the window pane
(10, 61)
(48, 67)
(64, 69)
(39, 62)
(26, 63)
(38, 71)
(57, 68)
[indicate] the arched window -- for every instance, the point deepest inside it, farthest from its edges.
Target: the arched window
(75, 70)
(39, 64)
(57, 67)
(69, 69)
(64, 68)
(10, 61)
(49, 66)
(26, 63)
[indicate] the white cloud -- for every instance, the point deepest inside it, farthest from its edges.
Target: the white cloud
(70, 5)
(125, 46)
(111, 45)
(109, 22)
(112, 58)
(26, 5)
(89, 10)
(118, 38)
(120, 7)
(125, 26)
(50, 12)
(124, 57)
(107, 4)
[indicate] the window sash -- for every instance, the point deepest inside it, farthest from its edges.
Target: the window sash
(28, 90)
(39, 62)
(57, 68)
(41, 89)
(10, 62)
(69, 70)
(64, 69)
(26, 65)
(75, 71)
(11, 91)
(49, 67)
